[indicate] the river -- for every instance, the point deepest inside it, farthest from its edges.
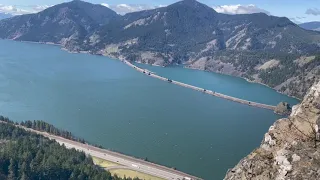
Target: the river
(108, 103)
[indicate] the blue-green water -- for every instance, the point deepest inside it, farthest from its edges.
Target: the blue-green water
(109, 103)
(229, 85)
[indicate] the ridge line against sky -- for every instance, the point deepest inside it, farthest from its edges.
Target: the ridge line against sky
(297, 10)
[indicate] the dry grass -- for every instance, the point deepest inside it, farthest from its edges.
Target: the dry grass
(133, 174)
(123, 172)
(103, 163)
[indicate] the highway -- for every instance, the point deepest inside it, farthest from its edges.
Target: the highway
(230, 98)
(124, 161)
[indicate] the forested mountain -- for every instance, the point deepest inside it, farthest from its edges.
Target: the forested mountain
(191, 26)
(59, 24)
(262, 48)
(25, 155)
(189, 29)
(174, 32)
(315, 25)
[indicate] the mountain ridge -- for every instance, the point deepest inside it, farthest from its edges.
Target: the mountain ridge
(54, 24)
(314, 25)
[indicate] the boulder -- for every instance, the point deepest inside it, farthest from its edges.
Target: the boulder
(283, 108)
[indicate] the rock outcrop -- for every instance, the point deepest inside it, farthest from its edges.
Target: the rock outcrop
(283, 108)
(290, 149)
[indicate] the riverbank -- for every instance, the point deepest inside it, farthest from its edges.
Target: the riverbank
(120, 57)
(220, 95)
(248, 80)
(185, 65)
(127, 162)
(210, 92)
(256, 82)
(238, 100)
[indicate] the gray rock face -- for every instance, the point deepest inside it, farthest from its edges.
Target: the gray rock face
(290, 149)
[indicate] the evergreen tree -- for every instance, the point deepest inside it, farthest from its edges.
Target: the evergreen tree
(29, 156)
(12, 170)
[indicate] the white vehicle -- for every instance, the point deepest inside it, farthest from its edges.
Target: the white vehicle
(136, 166)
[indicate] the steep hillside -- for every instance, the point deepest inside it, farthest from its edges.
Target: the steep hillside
(262, 32)
(59, 24)
(290, 149)
(170, 34)
(27, 155)
(188, 29)
(315, 26)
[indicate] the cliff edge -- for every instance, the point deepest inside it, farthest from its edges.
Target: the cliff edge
(290, 149)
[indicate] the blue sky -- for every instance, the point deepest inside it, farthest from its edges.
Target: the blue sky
(297, 10)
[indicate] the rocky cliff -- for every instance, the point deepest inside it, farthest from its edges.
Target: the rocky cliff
(290, 149)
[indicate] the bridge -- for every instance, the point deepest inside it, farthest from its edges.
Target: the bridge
(230, 98)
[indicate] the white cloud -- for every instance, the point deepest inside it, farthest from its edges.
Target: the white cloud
(227, 9)
(9, 9)
(106, 5)
(313, 11)
(14, 10)
(239, 9)
(301, 17)
(295, 20)
(119, 8)
(127, 8)
(39, 8)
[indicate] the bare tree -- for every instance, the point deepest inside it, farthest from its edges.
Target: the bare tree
(314, 127)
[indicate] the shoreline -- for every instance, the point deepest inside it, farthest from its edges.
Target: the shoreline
(121, 58)
(127, 161)
(246, 79)
(213, 93)
(255, 82)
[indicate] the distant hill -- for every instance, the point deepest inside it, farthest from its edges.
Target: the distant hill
(315, 25)
(262, 48)
(5, 15)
